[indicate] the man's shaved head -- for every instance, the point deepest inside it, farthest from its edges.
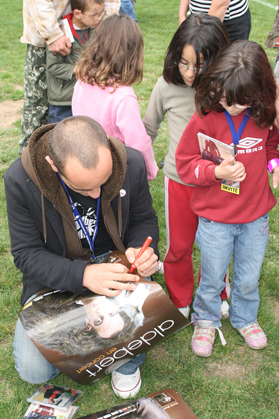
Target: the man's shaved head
(77, 136)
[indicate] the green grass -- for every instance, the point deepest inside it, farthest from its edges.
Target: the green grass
(235, 382)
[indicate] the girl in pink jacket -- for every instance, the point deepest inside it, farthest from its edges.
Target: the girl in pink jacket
(111, 63)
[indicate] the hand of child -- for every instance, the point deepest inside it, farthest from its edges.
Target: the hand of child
(234, 173)
(275, 177)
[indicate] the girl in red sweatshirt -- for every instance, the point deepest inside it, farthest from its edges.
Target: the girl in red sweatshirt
(235, 104)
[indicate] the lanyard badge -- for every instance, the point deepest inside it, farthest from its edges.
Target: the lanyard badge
(80, 222)
(226, 185)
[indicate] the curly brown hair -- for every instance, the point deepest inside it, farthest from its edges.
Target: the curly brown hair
(114, 55)
(240, 74)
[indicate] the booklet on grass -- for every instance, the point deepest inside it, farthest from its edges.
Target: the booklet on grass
(44, 412)
(51, 395)
(163, 404)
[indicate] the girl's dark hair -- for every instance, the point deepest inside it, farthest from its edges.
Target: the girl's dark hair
(206, 34)
(240, 74)
(114, 55)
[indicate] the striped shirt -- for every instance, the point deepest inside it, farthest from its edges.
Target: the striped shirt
(236, 8)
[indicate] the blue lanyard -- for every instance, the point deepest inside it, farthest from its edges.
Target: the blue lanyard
(236, 135)
(78, 218)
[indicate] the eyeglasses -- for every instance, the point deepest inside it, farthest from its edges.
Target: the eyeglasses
(186, 67)
(97, 16)
(224, 102)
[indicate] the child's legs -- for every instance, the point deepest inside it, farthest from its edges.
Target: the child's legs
(215, 241)
(58, 113)
(249, 250)
(181, 230)
(226, 291)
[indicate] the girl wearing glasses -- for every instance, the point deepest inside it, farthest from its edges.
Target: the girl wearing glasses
(192, 49)
(235, 104)
(111, 63)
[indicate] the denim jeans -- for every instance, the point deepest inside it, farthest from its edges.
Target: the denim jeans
(127, 8)
(58, 113)
(217, 242)
(35, 369)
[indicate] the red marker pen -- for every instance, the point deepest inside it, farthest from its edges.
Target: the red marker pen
(143, 249)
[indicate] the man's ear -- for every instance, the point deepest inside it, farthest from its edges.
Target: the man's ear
(88, 324)
(54, 168)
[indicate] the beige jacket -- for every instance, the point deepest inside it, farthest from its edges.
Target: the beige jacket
(40, 24)
(40, 17)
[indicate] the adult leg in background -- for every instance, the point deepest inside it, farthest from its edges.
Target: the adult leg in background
(35, 108)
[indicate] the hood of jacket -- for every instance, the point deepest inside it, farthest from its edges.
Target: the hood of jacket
(47, 181)
(69, 19)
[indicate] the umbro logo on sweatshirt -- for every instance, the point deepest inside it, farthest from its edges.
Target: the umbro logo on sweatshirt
(248, 145)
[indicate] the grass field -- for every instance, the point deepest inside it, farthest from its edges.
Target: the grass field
(234, 382)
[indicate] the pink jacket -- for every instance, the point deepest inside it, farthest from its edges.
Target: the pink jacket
(118, 113)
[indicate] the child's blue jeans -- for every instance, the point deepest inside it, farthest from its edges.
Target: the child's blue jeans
(217, 242)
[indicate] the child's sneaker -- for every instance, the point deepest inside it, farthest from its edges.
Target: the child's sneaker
(203, 338)
(160, 267)
(224, 309)
(185, 311)
(254, 336)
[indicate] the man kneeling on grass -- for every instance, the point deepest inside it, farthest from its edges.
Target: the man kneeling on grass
(75, 161)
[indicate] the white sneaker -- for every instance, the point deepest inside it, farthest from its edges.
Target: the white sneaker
(224, 309)
(125, 386)
(185, 311)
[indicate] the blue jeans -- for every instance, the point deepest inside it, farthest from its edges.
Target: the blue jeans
(58, 113)
(35, 369)
(217, 242)
(239, 27)
(127, 8)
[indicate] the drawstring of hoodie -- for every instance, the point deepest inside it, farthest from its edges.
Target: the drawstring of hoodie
(119, 215)
(44, 218)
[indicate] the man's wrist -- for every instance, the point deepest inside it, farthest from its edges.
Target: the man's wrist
(54, 37)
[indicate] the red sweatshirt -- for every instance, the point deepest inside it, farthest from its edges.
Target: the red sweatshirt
(256, 147)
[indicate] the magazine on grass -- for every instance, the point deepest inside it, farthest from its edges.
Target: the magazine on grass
(44, 412)
(51, 395)
(163, 404)
(216, 151)
(89, 336)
